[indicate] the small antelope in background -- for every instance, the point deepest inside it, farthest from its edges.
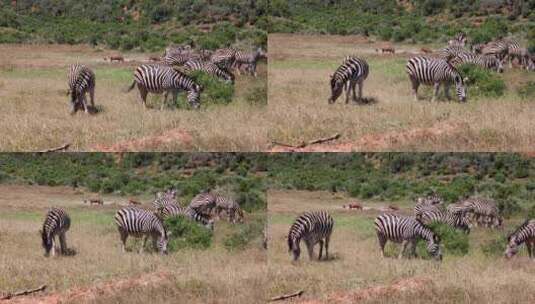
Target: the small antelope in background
(386, 49)
(426, 50)
(112, 58)
(94, 201)
(353, 206)
(133, 202)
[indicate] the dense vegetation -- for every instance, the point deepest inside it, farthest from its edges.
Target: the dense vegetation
(143, 24)
(507, 178)
(412, 20)
(137, 173)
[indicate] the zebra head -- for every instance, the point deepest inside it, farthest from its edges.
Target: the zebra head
(459, 87)
(337, 86)
(163, 240)
(47, 242)
(512, 247)
(293, 247)
(194, 96)
(433, 248)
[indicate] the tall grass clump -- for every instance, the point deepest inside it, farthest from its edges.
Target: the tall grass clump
(481, 82)
(185, 233)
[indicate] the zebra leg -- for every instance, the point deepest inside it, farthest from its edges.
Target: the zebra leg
(354, 96)
(53, 249)
(382, 242)
(253, 70)
(92, 96)
(327, 247)
(403, 248)
(63, 243)
(143, 94)
(321, 250)
(124, 236)
(143, 243)
(413, 248)
(84, 104)
(361, 83)
(310, 248)
(415, 85)
(529, 246)
(435, 92)
(447, 91)
(348, 89)
(165, 95)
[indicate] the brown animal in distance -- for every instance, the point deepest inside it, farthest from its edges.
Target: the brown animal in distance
(426, 50)
(386, 49)
(133, 202)
(118, 58)
(94, 201)
(353, 206)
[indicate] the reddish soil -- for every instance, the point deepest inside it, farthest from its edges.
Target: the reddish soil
(381, 141)
(77, 295)
(402, 286)
(148, 142)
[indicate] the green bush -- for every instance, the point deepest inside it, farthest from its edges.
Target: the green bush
(238, 240)
(452, 241)
(527, 91)
(495, 247)
(215, 91)
(185, 233)
(482, 82)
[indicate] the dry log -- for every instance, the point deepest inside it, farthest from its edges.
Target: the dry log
(284, 297)
(60, 148)
(312, 142)
(23, 293)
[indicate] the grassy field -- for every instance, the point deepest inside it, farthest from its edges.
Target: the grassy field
(35, 109)
(298, 89)
(357, 272)
(101, 273)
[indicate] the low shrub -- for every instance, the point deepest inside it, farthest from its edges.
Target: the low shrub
(244, 235)
(527, 91)
(495, 247)
(185, 233)
(481, 82)
(452, 241)
(215, 91)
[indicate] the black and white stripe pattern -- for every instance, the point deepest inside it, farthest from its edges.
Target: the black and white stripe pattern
(525, 233)
(175, 210)
(405, 230)
(231, 208)
(457, 220)
(165, 198)
(436, 72)
(249, 60)
(312, 227)
(203, 203)
(522, 54)
(458, 40)
(353, 71)
(160, 78)
(485, 61)
(57, 223)
(141, 223)
(452, 51)
(209, 68)
(224, 58)
(499, 49)
(81, 82)
(485, 212)
(429, 202)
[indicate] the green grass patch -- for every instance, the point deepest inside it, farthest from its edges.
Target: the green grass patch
(482, 82)
(244, 234)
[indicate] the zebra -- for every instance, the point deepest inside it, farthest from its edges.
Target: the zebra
(455, 220)
(203, 202)
(175, 210)
(353, 71)
(405, 230)
(57, 223)
(141, 223)
(525, 233)
(230, 206)
(426, 203)
(313, 227)
(499, 48)
(452, 51)
(484, 211)
(165, 198)
(161, 78)
(210, 68)
(520, 53)
(224, 58)
(81, 81)
(249, 59)
(458, 40)
(485, 61)
(435, 71)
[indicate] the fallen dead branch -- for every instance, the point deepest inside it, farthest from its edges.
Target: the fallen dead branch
(60, 148)
(312, 142)
(23, 293)
(284, 297)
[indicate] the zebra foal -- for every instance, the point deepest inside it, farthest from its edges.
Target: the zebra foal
(312, 227)
(405, 230)
(141, 223)
(57, 223)
(353, 71)
(81, 82)
(436, 72)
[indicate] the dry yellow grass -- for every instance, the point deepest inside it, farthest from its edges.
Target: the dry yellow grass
(35, 109)
(357, 267)
(298, 89)
(189, 276)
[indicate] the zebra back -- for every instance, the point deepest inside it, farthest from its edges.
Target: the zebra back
(210, 68)
(203, 202)
(175, 210)
(57, 221)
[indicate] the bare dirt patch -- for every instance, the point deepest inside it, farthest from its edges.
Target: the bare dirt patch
(149, 142)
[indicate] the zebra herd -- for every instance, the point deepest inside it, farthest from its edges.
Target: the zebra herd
(172, 75)
(138, 222)
(316, 227)
(436, 70)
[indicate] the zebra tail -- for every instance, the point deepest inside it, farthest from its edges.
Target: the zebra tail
(131, 87)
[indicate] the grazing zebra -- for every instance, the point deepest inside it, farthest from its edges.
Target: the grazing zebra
(230, 206)
(353, 71)
(249, 59)
(175, 210)
(165, 198)
(485, 212)
(455, 220)
(525, 233)
(141, 223)
(458, 40)
(203, 203)
(405, 230)
(210, 68)
(57, 223)
(81, 81)
(485, 61)
(313, 227)
(432, 201)
(452, 51)
(499, 49)
(435, 71)
(224, 58)
(159, 78)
